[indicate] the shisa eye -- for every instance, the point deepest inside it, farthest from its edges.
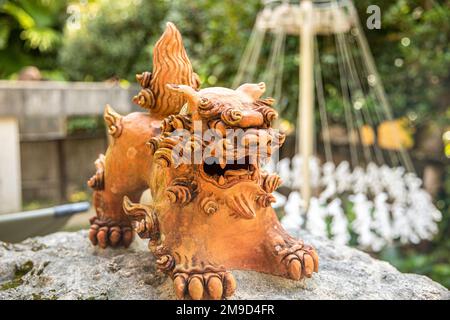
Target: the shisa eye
(205, 104)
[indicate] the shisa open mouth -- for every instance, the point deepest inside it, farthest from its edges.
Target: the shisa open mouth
(241, 157)
(225, 174)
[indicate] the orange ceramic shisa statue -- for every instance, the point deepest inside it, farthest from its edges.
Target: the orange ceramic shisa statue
(207, 216)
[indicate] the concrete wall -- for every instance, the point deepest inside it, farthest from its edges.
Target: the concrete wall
(52, 165)
(42, 106)
(10, 192)
(53, 170)
(80, 155)
(39, 167)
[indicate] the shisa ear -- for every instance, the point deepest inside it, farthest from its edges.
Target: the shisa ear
(253, 90)
(189, 93)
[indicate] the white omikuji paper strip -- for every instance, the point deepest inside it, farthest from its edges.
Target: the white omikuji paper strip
(388, 204)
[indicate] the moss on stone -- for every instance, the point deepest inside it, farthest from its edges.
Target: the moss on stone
(23, 269)
(101, 296)
(11, 284)
(19, 272)
(40, 296)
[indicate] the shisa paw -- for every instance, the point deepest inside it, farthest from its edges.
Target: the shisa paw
(106, 233)
(204, 285)
(299, 260)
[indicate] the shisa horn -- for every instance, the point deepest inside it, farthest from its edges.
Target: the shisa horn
(253, 90)
(189, 94)
(170, 65)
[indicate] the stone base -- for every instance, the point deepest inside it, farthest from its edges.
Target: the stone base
(65, 266)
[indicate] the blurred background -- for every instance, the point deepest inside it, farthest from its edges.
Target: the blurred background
(61, 61)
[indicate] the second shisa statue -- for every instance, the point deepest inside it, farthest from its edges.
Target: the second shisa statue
(211, 201)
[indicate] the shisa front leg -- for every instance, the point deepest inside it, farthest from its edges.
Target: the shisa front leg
(108, 228)
(181, 255)
(292, 258)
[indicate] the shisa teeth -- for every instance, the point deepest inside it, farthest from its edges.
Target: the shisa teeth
(224, 173)
(235, 175)
(232, 178)
(238, 172)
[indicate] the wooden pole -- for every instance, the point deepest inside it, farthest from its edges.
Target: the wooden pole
(306, 99)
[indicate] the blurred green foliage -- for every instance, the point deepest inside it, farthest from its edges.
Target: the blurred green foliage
(110, 39)
(31, 33)
(105, 39)
(85, 125)
(96, 40)
(415, 36)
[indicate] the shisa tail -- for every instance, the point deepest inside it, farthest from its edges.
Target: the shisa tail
(171, 65)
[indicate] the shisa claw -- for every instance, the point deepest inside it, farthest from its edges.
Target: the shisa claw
(195, 288)
(295, 269)
(208, 285)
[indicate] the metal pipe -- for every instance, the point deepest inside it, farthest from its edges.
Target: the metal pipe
(18, 226)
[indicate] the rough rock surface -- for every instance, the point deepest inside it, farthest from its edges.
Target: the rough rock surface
(66, 266)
